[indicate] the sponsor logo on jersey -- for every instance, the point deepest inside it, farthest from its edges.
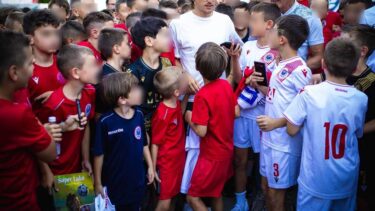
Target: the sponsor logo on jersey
(36, 79)
(120, 130)
(138, 133)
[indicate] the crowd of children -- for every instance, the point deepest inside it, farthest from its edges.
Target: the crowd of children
(162, 103)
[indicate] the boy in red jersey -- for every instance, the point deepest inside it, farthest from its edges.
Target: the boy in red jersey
(212, 120)
(42, 26)
(168, 135)
(94, 23)
(75, 98)
(23, 139)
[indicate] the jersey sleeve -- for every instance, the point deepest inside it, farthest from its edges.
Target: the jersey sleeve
(296, 111)
(243, 62)
(301, 77)
(159, 129)
(200, 113)
(316, 31)
(98, 148)
(362, 117)
(176, 45)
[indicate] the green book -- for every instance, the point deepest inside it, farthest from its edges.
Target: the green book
(76, 192)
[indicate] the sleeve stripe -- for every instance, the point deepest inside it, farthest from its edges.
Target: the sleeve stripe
(291, 121)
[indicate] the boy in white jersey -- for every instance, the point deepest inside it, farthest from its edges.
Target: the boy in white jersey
(280, 153)
(251, 100)
(332, 115)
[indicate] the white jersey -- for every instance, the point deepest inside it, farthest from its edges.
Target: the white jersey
(332, 116)
(190, 31)
(287, 80)
(250, 53)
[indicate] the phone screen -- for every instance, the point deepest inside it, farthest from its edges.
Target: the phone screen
(260, 67)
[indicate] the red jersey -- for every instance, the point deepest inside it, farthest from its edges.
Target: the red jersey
(44, 79)
(170, 55)
(333, 18)
(97, 54)
(169, 134)
(22, 136)
(58, 105)
(214, 107)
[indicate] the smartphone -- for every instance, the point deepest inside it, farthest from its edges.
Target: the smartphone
(226, 44)
(260, 67)
(78, 104)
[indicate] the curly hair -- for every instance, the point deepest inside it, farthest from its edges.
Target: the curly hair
(38, 18)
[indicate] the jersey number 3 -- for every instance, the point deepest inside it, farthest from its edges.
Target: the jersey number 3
(332, 140)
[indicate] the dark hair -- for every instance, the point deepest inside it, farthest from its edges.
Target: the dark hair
(13, 18)
(61, 3)
(270, 11)
(117, 85)
(156, 13)
(147, 27)
(71, 29)
(108, 12)
(294, 28)
(38, 18)
(363, 34)
(242, 5)
(109, 38)
(225, 9)
(185, 5)
(168, 4)
(367, 3)
(211, 61)
(252, 4)
(94, 18)
(12, 50)
(4, 12)
(341, 57)
(71, 56)
(132, 19)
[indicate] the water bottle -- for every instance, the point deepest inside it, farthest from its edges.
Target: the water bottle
(52, 120)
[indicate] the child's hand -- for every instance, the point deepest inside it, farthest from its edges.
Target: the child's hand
(72, 122)
(157, 177)
(86, 166)
(48, 182)
(55, 131)
(150, 175)
(254, 78)
(265, 123)
(234, 50)
(99, 190)
(193, 84)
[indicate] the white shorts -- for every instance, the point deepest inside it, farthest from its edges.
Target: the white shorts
(308, 202)
(191, 160)
(280, 168)
(247, 134)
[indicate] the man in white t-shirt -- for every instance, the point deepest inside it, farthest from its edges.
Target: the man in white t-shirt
(332, 115)
(189, 32)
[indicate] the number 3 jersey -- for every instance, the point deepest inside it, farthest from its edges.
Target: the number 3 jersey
(287, 80)
(332, 116)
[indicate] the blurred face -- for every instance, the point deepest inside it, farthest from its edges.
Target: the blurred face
(204, 7)
(26, 71)
(162, 40)
(59, 12)
(140, 6)
(257, 24)
(46, 39)
(320, 7)
(284, 5)
(89, 73)
(123, 12)
(171, 13)
(153, 4)
(125, 49)
(111, 5)
(352, 13)
(241, 19)
(135, 96)
(84, 8)
(274, 38)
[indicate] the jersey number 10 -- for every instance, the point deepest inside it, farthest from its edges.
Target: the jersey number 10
(331, 140)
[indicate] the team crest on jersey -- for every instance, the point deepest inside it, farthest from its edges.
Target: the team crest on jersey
(269, 57)
(88, 109)
(60, 78)
(36, 79)
(283, 73)
(138, 133)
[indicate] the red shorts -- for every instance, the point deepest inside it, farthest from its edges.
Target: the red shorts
(209, 177)
(170, 181)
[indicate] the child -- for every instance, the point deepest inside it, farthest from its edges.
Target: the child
(23, 139)
(280, 153)
(364, 80)
(60, 8)
(42, 26)
(168, 135)
(353, 10)
(152, 35)
(332, 114)
(241, 21)
(81, 8)
(212, 119)
(171, 8)
(251, 100)
(78, 65)
(72, 32)
(14, 21)
(115, 48)
(93, 24)
(121, 144)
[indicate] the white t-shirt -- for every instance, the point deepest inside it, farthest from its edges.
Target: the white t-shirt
(287, 80)
(332, 116)
(250, 53)
(190, 31)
